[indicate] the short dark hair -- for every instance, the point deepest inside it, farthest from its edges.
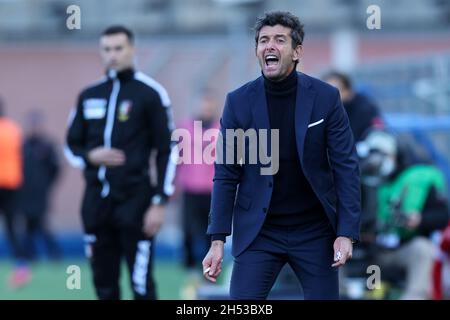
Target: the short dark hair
(342, 77)
(284, 18)
(119, 29)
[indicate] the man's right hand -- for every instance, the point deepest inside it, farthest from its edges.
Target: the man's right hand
(109, 157)
(212, 264)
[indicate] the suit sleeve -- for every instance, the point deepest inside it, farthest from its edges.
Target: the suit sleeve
(75, 148)
(345, 167)
(227, 176)
(161, 127)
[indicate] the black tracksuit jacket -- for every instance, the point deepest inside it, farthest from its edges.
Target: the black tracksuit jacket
(131, 112)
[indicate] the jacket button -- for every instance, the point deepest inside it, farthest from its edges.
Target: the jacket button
(270, 184)
(264, 210)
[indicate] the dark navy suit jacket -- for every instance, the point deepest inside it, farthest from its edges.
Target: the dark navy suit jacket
(241, 194)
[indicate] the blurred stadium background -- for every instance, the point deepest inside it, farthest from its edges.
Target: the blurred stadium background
(190, 44)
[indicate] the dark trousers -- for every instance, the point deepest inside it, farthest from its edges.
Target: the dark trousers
(8, 207)
(307, 248)
(105, 249)
(117, 234)
(195, 222)
(34, 228)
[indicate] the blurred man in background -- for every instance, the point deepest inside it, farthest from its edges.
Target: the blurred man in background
(362, 113)
(41, 169)
(364, 116)
(10, 181)
(117, 123)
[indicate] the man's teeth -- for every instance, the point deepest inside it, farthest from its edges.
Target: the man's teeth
(271, 59)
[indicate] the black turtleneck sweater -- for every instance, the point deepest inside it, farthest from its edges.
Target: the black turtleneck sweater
(293, 199)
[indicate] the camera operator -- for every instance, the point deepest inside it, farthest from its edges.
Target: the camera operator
(411, 205)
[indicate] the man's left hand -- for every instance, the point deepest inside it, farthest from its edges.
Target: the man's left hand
(343, 250)
(153, 220)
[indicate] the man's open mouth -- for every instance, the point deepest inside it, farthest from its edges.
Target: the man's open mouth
(271, 60)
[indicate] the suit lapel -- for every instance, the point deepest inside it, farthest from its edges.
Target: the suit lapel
(303, 110)
(259, 105)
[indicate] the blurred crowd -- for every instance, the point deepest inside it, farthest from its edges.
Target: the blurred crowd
(405, 220)
(29, 168)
